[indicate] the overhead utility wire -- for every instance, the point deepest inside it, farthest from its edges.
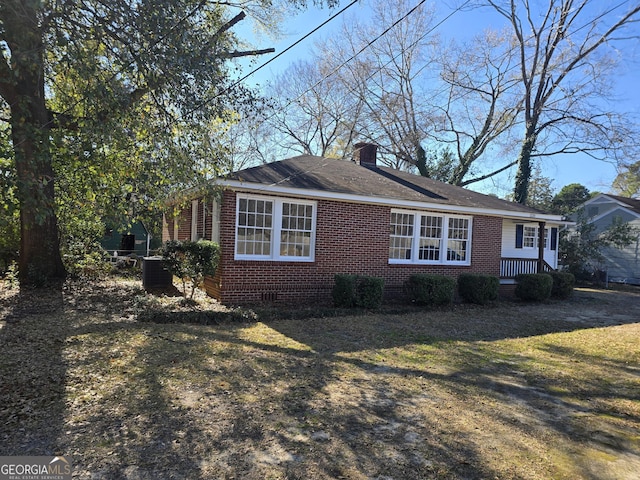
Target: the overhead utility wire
(242, 79)
(291, 102)
(369, 44)
(295, 43)
(282, 109)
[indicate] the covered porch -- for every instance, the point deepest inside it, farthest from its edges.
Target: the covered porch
(527, 247)
(511, 267)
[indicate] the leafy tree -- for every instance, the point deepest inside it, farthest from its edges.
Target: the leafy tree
(580, 248)
(627, 182)
(117, 90)
(569, 198)
(540, 191)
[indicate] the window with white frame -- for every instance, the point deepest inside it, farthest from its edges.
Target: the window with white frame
(401, 239)
(458, 239)
(297, 230)
(270, 228)
(429, 238)
(530, 238)
(545, 238)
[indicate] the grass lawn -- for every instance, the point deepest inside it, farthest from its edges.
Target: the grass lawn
(507, 391)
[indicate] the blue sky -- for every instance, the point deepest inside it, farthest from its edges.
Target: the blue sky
(563, 170)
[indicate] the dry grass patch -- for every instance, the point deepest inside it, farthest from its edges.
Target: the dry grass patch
(512, 391)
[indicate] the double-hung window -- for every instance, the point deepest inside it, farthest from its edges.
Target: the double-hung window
(269, 228)
(401, 240)
(417, 237)
(531, 238)
(430, 238)
(527, 236)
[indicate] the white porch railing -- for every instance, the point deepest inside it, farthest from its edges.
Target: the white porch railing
(510, 267)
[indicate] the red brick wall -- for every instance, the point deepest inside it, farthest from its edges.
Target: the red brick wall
(167, 227)
(350, 238)
(184, 225)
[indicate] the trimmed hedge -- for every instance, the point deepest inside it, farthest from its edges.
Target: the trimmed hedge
(191, 261)
(534, 287)
(424, 289)
(357, 291)
(479, 289)
(563, 283)
(344, 290)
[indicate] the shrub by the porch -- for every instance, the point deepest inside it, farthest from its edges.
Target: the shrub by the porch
(534, 287)
(479, 289)
(424, 289)
(357, 291)
(563, 283)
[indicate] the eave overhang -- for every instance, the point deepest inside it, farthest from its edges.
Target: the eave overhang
(258, 188)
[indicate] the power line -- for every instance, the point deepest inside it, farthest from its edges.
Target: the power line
(295, 43)
(443, 90)
(242, 79)
(369, 44)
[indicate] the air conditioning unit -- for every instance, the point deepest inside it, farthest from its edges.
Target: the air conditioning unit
(154, 273)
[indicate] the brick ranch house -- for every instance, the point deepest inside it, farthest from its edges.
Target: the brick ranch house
(285, 228)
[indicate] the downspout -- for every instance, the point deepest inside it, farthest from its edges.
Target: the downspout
(541, 226)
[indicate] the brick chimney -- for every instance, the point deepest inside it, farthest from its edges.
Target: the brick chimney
(365, 154)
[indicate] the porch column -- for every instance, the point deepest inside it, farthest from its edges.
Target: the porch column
(541, 226)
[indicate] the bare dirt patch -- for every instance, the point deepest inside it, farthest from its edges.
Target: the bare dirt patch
(509, 391)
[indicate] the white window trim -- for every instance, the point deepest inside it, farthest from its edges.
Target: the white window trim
(194, 220)
(536, 239)
(276, 229)
(215, 221)
(415, 244)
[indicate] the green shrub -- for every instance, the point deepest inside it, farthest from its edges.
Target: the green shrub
(563, 283)
(424, 289)
(357, 291)
(84, 258)
(344, 290)
(369, 291)
(533, 286)
(479, 289)
(191, 261)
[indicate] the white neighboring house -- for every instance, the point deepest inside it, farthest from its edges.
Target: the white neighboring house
(621, 265)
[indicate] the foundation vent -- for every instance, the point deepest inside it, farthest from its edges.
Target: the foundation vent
(269, 296)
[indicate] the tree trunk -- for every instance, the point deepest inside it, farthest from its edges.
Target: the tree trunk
(521, 189)
(40, 258)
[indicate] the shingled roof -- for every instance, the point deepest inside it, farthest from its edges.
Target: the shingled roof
(321, 174)
(631, 203)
